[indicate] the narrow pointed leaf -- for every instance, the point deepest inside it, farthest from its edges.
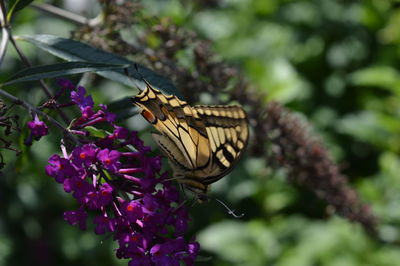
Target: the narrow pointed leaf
(59, 70)
(71, 50)
(15, 6)
(123, 108)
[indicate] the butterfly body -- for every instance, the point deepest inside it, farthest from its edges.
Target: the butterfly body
(202, 142)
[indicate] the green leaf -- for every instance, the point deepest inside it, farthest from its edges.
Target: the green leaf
(375, 128)
(71, 50)
(123, 108)
(15, 6)
(377, 76)
(60, 69)
(95, 132)
(239, 243)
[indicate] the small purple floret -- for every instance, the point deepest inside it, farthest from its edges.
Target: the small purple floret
(79, 98)
(38, 128)
(109, 159)
(76, 217)
(85, 155)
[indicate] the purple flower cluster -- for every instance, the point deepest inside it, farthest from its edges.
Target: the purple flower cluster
(134, 202)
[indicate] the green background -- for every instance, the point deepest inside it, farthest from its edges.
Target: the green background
(334, 63)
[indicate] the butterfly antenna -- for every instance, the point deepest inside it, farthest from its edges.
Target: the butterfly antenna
(126, 70)
(185, 196)
(172, 178)
(141, 76)
(230, 211)
(180, 204)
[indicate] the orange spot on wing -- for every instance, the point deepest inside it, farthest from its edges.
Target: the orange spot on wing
(148, 116)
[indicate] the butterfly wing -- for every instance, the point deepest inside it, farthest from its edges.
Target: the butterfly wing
(202, 142)
(228, 132)
(182, 133)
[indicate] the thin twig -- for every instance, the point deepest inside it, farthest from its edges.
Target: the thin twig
(22, 56)
(31, 108)
(3, 44)
(4, 32)
(58, 12)
(65, 14)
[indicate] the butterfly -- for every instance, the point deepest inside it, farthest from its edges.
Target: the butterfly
(203, 142)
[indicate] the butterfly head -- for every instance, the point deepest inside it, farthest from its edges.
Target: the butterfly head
(149, 104)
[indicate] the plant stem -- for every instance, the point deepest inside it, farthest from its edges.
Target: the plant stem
(4, 32)
(31, 108)
(65, 14)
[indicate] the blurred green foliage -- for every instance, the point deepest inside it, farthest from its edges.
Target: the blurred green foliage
(335, 62)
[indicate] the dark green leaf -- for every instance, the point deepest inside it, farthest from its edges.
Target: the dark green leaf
(123, 108)
(71, 50)
(16, 5)
(58, 70)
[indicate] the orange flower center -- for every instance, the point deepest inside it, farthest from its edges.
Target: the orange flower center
(130, 208)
